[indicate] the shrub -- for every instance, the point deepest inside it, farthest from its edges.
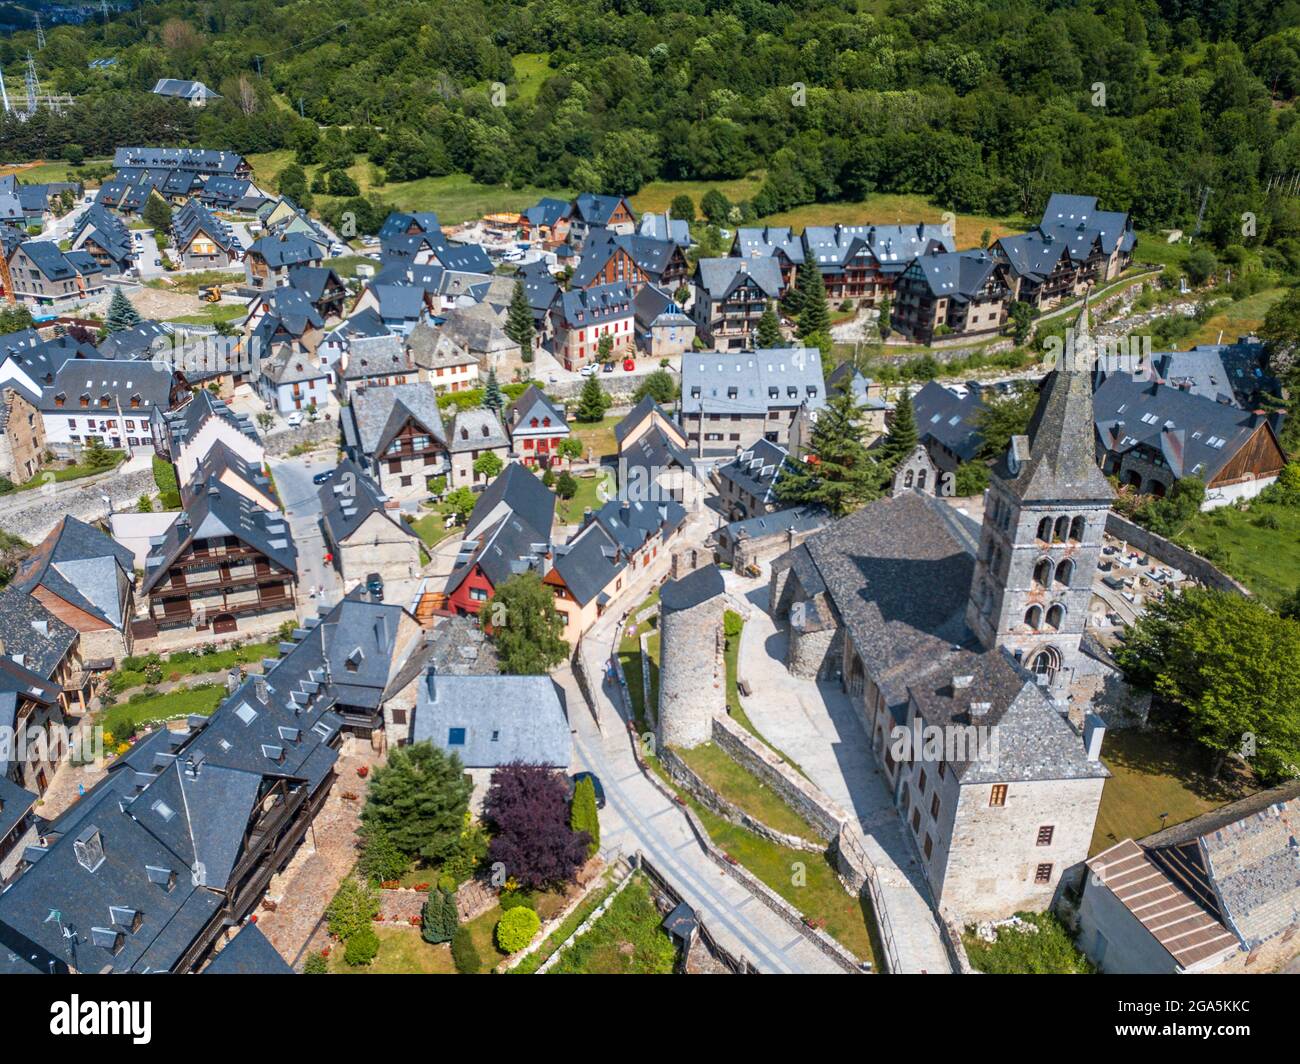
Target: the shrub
(352, 909)
(513, 899)
(316, 965)
(516, 929)
(463, 953)
(439, 919)
(380, 859)
(362, 948)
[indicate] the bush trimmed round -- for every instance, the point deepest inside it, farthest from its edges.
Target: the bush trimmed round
(516, 928)
(362, 948)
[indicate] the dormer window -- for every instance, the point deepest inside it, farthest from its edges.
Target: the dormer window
(60, 399)
(128, 920)
(161, 877)
(107, 938)
(104, 400)
(85, 400)
(135, 402)
(89, 849)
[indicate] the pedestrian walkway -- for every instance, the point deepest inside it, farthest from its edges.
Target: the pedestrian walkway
(814, 725)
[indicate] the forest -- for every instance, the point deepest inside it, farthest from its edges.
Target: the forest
(979, 105)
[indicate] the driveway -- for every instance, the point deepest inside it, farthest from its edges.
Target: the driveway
(815, 726)
(298, 496)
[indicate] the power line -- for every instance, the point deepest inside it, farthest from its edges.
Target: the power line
(297, 47)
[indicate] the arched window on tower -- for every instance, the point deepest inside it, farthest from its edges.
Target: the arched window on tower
(1046, 662)
(907, 479)
(1045, 530)
(920, 480)
(1064, 573)
(1043, 572)
(1055, 615)
(1062, 529)
(1076, 529)
(1034, 617)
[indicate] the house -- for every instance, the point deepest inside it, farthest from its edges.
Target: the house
(249, 952)
(581, 318)
(945, 293)
(490, 721)
(731, 295)
(748, 542)
(663, 329)
(336, 342)
(87, 581)
(731, 400)
(226, 192)
(323, 288)
(747, 484)
(22, 436)
(477, 331)
(1235, 373)
(268, 260)
(205, 162)
(611, 258)
(536, 427)
(1219, 893)
(284, 218)
(373, 362)
(291, 379)
(547, 221)
(106, 238)
(947, 422)
(1151, 435)
(475, 432)
(396, 433)
(865, 261)
(361, 533)
(665, 227)
(508, 532)
(42, 275)
(283, 315)
(870, 395)
(103, 399)
(401, 307)
(441, 361)
(223, 561)
(201, 239)
(227, 471)
(40, 654)
(654, 464)
(141, 341)
(194, 93)
(590, 211)
(771, 242)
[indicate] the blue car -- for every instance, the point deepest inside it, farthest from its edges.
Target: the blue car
(320, 478)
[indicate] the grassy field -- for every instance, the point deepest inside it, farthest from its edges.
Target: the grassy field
(531, 70)
(1153, 247)
(588, 496)
(211, 314)
(41, 171)
(73, 472)
(1153, 773)
(1049, 951)
(597, 436)
(628, 939)
(657, 196)
(1243, 544)
(738, 785)
(1238, 318)
(431, 527)
(190, 701)
(892, 208)
(188, 663)
(403, 952)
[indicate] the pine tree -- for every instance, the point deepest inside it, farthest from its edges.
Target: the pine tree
(121, 314)
(583, 815)
(769, 330)
(519, 321)
(419, 799)
(157, 213)
(814, 315)
(837, 472)
(492, 398)
(439, 918)
(902, 435)
(592, 401)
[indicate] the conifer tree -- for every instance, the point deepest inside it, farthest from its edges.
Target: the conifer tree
(439, 918)
(519, 321)
(492, 398)
(814, 315)
(902, 435)
(592, 401)
(121, 314)
(837, 472)
(583, 815)
(769, 330)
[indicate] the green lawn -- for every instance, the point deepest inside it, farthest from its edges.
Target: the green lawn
(430, 528)
(569, 511)
(531, 70)
(568, 926)
(629, 656)
(211, 314)
(1049, 951)
(1242, 544)
(43, 172)
(597, 436)
(628, 939)
(190, 663)
(403, 952)
(1154, 773)
(75, 471)
(180, 703)
(1238, 318)
(738, 785)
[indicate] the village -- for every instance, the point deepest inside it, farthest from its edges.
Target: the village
(625, 559)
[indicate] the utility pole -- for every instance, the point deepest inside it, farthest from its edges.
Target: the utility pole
(4, 92)
(1200, 214)
(32, 84)
(40, 33)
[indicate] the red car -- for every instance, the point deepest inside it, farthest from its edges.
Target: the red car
(629, 365)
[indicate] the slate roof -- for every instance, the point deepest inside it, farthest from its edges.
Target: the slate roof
(695, 587)
(248, 953)
(892, 247)
(138, 342)
(378, 414)
(31, 635)
(515, 490)
(655, 306)
(108, 231)
(222, 513)
(287, 365)
(957, 275)
(1080, 213)
(779, 522)
(589, 562)
(120, 381)
(399, 302)
(193, 218)
(546, 211)
(665, 227)
(348, 498)
(1236, 372)
(948, 418)
(756, 469)
(293, 307)
(288, 249)
(503, 718)
(15, 803)
(768, 240)
(632, 524)
(718, 278)
(581, 307)
(1034, 254)
(596, 209)
(399, 222)
(651, 255)
(753, 381)
(533, 403)
(183, 422)
(187, 90)
(201, 160)
(476, 430)
(463, 258)
(501, 548)
(374, 356)
(83, 566)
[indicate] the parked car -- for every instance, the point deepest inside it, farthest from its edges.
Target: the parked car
(322, 476)
(628, 365)
(589, 369)
(294, 419)
(157, 262)
(608, 367)
(375, 585)
(578, 777)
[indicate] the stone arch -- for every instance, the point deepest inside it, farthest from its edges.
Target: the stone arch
(1047, 662)
(1133, 479)
(1061, 530)
(1156, 488)
(1064, 573)
(1034, 617)
(907, 479)
(1045, 530)
(920, 479)
(1077, 527)
(1043, 572)
(1055, 616)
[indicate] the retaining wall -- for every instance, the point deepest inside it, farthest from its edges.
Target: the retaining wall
(1146, 541)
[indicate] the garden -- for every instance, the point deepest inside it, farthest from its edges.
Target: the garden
(1024, 944)
(627, 939)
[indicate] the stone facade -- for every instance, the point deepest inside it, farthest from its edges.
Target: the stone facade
(22, 441)
(692, 673)
(917, 472)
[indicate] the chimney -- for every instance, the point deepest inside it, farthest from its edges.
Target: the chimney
(259, 688)
(1094, 731)
(431, 683)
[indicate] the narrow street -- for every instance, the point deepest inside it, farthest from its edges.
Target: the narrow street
(298, 495)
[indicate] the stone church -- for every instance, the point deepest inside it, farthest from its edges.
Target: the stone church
(958, 644)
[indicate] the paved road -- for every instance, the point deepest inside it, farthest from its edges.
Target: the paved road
(301, 504)
(815, 725)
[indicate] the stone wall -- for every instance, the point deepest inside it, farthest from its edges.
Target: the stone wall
(281, 443)
(1196, 567)
(33, 514)
(692, 676)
